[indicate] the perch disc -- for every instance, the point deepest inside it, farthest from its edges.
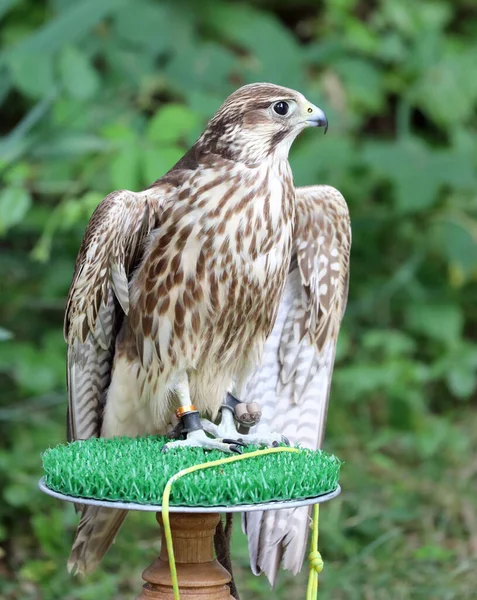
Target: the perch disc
(132, 473)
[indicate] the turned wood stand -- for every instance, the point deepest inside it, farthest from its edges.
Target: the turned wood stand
(200, 575)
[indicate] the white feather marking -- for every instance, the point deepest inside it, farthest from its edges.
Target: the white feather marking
(120, 285)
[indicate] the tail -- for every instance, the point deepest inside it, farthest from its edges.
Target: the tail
(95, 534)
(276, 538)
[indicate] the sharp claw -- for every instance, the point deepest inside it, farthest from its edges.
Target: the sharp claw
(275, 444)
(285, 440)
(165, 449)
(235, 442)
(236, 449)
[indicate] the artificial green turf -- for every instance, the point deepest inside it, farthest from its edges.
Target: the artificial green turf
(136, 470)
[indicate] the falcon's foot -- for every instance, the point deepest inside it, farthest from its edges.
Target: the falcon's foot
(227, 429)
(198, 439)
(264, 438)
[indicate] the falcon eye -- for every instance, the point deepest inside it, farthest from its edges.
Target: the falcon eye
(281, 108)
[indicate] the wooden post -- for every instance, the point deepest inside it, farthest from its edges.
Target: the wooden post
(200, 576)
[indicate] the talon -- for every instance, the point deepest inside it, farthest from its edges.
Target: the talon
(234, 442)
(285, 440)
(165, 449)
(275, 444)
(236, 449)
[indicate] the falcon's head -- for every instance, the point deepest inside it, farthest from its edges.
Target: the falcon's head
(259, 120)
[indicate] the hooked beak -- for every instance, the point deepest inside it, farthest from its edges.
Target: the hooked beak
(316, 117)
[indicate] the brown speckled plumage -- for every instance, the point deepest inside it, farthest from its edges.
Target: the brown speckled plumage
(188, 276)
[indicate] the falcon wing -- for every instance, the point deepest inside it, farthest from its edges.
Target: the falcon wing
(99, 298)
(292, 384)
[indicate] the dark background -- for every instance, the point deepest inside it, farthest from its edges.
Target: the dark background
(104, 94)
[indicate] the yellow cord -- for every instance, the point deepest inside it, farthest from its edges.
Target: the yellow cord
(314, 554)
(316, 562)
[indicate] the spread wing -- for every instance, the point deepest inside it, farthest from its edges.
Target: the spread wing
(292, 384)
(99, 298)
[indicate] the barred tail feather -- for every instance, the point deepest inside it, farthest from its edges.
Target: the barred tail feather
(95, 534)
(295, 539)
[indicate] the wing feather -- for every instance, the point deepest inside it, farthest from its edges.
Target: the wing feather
(292, 384)
(99, 298)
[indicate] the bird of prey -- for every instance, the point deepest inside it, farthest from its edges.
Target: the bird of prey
(177, 290)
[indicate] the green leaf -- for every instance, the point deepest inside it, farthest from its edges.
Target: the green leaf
(14, 204)
(6, 5)
(276, 55)
(38, 369)
(70, 25)
(442, 322)
(32, 74)
(36, 571)
(207, 67)
(444, 90)
(78, 75)
(17, 174)
(337, 156)
(455, 237)
(124, 168)
(433, 552)
(145, 24)
(157, 161)
(171, 123)
(363, 83)
(419, 172)
(18, 495)
(462, 381)
(70, 144)
(412, 18)
(389, 342)
(120, 132)
(460, 369)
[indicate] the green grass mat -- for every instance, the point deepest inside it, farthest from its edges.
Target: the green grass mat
(135, 470)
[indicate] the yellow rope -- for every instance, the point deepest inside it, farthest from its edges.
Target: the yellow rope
(316, 562)
(314, 554)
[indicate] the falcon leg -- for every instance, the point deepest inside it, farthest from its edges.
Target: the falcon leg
(246, 416)
(192, 427)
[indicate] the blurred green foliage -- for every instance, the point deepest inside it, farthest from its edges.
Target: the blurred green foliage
(104, 94)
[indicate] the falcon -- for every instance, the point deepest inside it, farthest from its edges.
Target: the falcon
(218, 286)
